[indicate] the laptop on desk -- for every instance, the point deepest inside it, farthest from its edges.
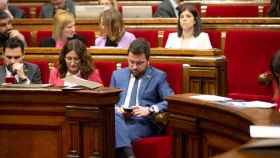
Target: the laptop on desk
(137, 11)
(88, 11)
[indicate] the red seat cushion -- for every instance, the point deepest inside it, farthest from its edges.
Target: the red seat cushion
(148, 34)
(248, 54)
(153, 147)
(232, 10)
(106, 69)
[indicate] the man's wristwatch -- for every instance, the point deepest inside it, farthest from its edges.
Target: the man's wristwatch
(151, 109)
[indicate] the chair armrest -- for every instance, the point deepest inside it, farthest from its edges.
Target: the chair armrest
(265, 78)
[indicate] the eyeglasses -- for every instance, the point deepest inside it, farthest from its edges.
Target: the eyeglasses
(13, 57)
(70, 59)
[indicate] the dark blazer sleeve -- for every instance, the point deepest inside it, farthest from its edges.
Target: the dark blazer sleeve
(33, 73)
(165, 10)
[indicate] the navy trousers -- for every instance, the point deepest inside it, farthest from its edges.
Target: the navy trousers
(129, 130)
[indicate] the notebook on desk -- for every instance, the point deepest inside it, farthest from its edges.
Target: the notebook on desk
(137, 11)
(89, 11)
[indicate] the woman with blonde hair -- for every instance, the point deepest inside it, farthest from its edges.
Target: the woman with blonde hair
(109, 4)
(112, 31)
(63, 29)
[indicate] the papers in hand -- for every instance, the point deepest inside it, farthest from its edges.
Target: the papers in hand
(82, 82)
(265, 131)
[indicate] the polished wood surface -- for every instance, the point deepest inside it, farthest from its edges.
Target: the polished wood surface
(51, 123)
(202, 129)
(203, 70)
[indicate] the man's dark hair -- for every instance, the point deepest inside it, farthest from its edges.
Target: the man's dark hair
(14, 43)
(4, 15)
(140, 46)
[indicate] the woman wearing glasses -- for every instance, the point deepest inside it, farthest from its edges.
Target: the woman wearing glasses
(74, 60)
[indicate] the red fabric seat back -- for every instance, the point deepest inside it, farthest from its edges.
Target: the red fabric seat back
(27, 36)
(147, 34)
(41, 36)
(266, 10)
(214, 36)
(232, 11)
(174, 74)
(89, 37)
(248, 54)
(154, 8)
(44, 68)
(106, 68)
(38, 11)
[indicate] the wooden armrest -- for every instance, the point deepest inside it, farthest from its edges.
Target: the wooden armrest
(265, 78)
(161, 118)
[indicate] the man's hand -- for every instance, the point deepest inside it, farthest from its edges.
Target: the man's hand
(140, 111)
(18, 67)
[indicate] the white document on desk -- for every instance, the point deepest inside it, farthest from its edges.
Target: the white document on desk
(264, 131)
(210, 97)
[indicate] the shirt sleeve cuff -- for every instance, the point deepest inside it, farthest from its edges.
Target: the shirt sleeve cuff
(156, 109)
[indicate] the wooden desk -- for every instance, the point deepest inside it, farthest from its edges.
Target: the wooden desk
(202, 129)
(51, 123)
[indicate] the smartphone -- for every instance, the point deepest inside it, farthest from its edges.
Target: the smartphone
(128, 110)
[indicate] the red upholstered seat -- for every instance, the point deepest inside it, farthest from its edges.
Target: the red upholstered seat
(148, 34)
(44, 68)
(232, 10)
(38, 11)
(89, 37)
(214, 36)
(41, 36)
(106, 69)
(266, 10)
(248, 54)
(27, 36)
(154, 8)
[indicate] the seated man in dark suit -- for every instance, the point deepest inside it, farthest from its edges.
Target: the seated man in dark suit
(168, 9)
(7, 30)
(144, 88)
(49, 9)
(14, 70)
